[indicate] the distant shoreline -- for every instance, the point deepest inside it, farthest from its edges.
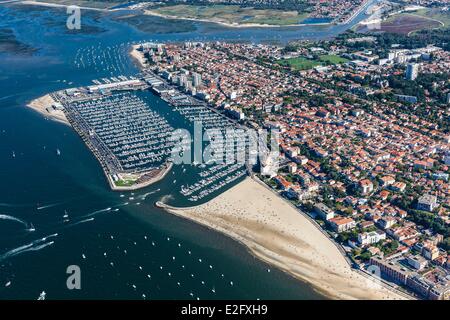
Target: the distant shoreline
(57, 5)
(235, 25)
(225, 24)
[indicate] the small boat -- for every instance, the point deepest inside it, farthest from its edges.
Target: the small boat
(8, 284)
(13, 154)
(31, 228)
(42, 296)
(65, 216)
(58, 152)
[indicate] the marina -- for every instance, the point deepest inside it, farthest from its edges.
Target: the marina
(129, 139)
(224, 167)
(133, 142)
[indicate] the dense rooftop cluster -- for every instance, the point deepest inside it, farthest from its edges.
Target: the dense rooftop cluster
(360, 152)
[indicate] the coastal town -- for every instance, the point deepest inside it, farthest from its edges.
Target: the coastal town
(354, 200)
(364, 139)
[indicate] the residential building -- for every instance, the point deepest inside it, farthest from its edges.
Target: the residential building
(323, 211)
(342, 224)
(366, 186)
(427, 202)
(391, 269)
(412, 71)
(417, 262)
(372, 237)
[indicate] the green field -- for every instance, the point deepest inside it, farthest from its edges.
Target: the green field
(436, 14)
(124, 183)
(232, 14)
(302, 63)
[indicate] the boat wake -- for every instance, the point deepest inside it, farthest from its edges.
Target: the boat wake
(11, 218)
(80, 222)
(28, 226)
(36, 245)
(145, 195)
(166, 198)
(13, 205)
(49, 205)
(96, 212)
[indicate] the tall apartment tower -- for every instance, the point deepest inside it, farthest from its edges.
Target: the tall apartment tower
(197, 78)
(412, 71)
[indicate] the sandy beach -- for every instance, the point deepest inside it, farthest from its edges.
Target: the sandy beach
(278, 234)
(138, 56)
(43, 105)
